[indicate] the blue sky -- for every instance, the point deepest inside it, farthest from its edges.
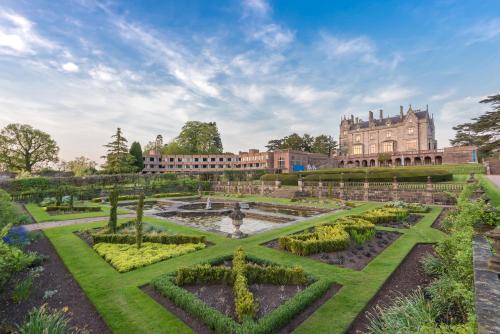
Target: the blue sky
(260, 69)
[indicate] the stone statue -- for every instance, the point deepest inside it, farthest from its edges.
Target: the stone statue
(237, 218)
(209, 204)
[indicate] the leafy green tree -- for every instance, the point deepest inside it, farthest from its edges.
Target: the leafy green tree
(274, 144)
(136, 152)
(118, 158)
(23, 148)
(324, 144)
(138, 220)
(483, 131)
(306, 143)
(113, 212)
(80, 166)
(199, 138)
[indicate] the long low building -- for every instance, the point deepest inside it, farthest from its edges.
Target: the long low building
(283, 161)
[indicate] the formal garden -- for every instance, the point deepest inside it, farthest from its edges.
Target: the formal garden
(165, 254)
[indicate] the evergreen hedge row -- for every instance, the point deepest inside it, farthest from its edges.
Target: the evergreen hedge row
(55, 208)
(162, 238)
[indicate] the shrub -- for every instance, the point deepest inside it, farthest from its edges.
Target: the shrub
(244, 302)
(203, 273)
(275, 274)
(385, 215)
(161, 238)
(138, 221)
(411, 207)
(125, 257)
(407, 314)
(286, 179)
(54, 208)
(161, 195)
(329, 237)
(113, 217)
(43, 320)
(12, 259)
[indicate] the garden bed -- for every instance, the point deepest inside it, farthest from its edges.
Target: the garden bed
(438, 223)
(240, 294)
(406, 278)
(355, 256)
(55, 276)
(411, 220)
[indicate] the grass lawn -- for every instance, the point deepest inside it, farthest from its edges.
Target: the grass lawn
(40, 215)
(126, 309)
(491, 190)
(256, 198)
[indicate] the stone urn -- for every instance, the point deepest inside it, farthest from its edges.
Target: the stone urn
(237, 220)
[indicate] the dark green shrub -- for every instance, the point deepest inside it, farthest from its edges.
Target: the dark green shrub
(113, 217)
(138, 221)
(55, 208)
(162, 238)
(286, 179)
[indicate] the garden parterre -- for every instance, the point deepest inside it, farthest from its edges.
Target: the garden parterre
(126, 308)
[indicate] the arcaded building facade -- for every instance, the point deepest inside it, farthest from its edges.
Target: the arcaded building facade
(405, 139)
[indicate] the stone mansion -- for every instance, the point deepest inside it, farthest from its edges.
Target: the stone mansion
(402, 140)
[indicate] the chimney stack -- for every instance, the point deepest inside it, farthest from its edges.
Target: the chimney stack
(352, 118)
(370, 116)
(401, 113)
(381, 114)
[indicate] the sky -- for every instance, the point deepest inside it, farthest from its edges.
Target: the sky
(260, 69)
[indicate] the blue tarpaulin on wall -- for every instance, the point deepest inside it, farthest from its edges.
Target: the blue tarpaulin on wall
(298, 168)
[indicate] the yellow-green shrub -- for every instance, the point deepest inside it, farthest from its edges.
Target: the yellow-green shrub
(245, 304)
(125, 257)
(385, 215)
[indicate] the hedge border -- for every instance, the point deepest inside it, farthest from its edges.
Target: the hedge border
(221, 323)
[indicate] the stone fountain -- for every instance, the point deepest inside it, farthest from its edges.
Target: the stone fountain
(237, 219)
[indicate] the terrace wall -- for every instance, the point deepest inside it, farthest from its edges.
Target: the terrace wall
(415, 192)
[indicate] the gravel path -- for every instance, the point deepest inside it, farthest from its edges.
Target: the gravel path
(43, 226)
(495, 179)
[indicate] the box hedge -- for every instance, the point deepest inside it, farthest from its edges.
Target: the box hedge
(161, 238)
(55, 208)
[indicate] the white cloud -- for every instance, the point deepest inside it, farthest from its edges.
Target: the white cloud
(274, 36)
(103, 73)
(257, 7)
(444, 95)
(335, 47)
(461, 110)
(389, 94)
(70, 67)
(17, 36)
(307, 94)
(484, 31)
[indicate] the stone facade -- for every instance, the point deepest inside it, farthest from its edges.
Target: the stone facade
(402, 140)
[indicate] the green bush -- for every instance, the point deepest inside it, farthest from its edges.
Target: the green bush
(276, 275)
(161, 195)
(329, 237)
(203, 273)
(43, 320)
(245, 305)
(12, 259)
(411, 207)
(385, 215)
(286, 179)
(161, 238)
(56, 208)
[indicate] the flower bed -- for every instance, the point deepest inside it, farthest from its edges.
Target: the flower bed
(125, 257)
(244, 274)
(411, 207)
(385, 215)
